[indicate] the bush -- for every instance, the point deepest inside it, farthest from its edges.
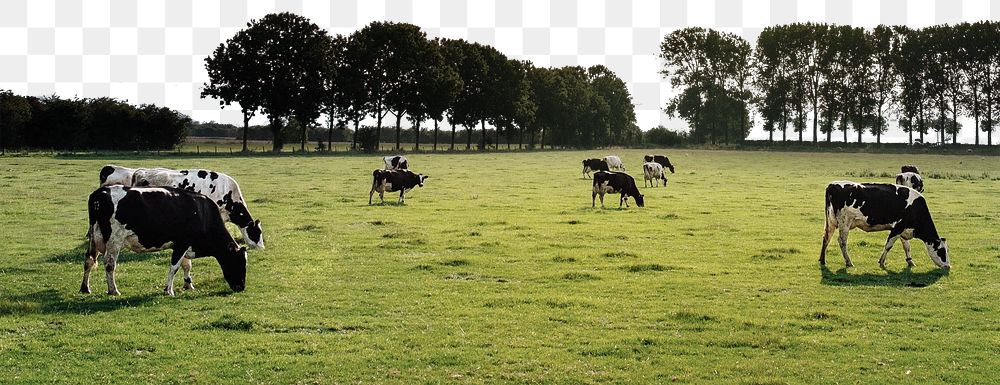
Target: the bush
(665, 137)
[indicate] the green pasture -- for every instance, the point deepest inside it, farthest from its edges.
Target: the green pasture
(499, 271)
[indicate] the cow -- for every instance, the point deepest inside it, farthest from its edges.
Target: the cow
(911, 180)
(111, 175)
(653, 171)
(909, 168)
(395, 162)
(394, 180)
(879, 207)
(662, 160)
(221, 188)
(614, 162)
(145, 219)
(594, 164)
(615, 182)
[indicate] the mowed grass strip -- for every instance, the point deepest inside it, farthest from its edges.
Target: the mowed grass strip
(499, 271)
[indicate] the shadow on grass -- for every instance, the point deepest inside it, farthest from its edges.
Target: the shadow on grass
(906, 277)
(51, 301)
(77, 253)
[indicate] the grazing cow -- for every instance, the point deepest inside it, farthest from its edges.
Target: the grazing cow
(616, 182)
(394, 180)
(112, 175)
(221, 188)
(653, 171)
(614, 162)
(911, 180)
(594, 164)
(879, 207)
(909, 168)
(662, 160)
(157, 218)
(395, 162)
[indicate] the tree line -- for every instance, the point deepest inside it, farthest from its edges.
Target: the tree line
(834, 78)
(288, 68)
(51, 122)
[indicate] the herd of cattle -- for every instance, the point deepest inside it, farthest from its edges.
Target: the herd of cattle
(152, 209)
(618, 182)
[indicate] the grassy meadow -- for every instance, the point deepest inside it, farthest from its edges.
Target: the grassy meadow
(499, 271)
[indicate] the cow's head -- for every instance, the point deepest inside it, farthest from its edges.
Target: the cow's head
(422, 179)
(938, 250)
(234, 267)
(639, 201)
(254, 235)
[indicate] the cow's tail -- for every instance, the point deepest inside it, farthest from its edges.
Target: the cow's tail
(100, 208)
(830, 222)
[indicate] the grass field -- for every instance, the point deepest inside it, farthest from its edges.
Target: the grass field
(498, 270)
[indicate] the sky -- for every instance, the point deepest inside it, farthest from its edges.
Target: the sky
(153, 51)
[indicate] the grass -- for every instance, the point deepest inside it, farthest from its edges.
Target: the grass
(498, 271)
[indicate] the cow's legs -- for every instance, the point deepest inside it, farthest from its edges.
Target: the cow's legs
(906, 248)
(89, 260)
(843, 245)
(893, 235)
(110, 260)
(624, 198)
(401, 196)
(370, 193)
(827, 234)
(175, 264)
(381, 194)
(602, 200)
(593, 197)
(186, 265)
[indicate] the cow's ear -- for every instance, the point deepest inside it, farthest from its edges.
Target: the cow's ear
(257, 222)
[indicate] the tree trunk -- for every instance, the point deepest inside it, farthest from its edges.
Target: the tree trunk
(277, 141)
(975, 116)
(468, 139)
(815, 122)
(482, 126)
(920, 125)
(399, 129)
(520, 138)
(452, 137)
(378, 130)
(954, 119)
(305, 132)
(416, 138)
(246, 128)
(329, 136)
(354, 137)
(435, 135)
(909, 122)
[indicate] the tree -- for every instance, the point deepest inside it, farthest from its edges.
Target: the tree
(15, 113)
(289, 58)
(441, 86)
(232, 79)
(614, 92)
(471, 102)
(885, 49)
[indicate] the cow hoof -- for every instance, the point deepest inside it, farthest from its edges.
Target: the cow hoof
(114, 293)
(850, 265)
(84, 290)
(188, 286)
(168, 292)
(910, 263)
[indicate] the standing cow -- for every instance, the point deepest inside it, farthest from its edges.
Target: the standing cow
(594, 164)
(614, 162)
(662, 160)
(395, 162)
(653, 171)
(879, 207)
(911, 180)
(606, 182)
(158, 218)
(392, 180)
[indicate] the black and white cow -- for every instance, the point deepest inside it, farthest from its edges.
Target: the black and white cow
(614, 162)
(610, 182)
(879, 207)
(662, 160)
(911, 180)
(221, 188)
(395, 162)
(394, 180)
(112, 175)
(909, 168)
(158, 218)
(594, 164)
(652, 171)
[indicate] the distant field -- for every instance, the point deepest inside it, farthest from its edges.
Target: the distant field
(499, 270)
